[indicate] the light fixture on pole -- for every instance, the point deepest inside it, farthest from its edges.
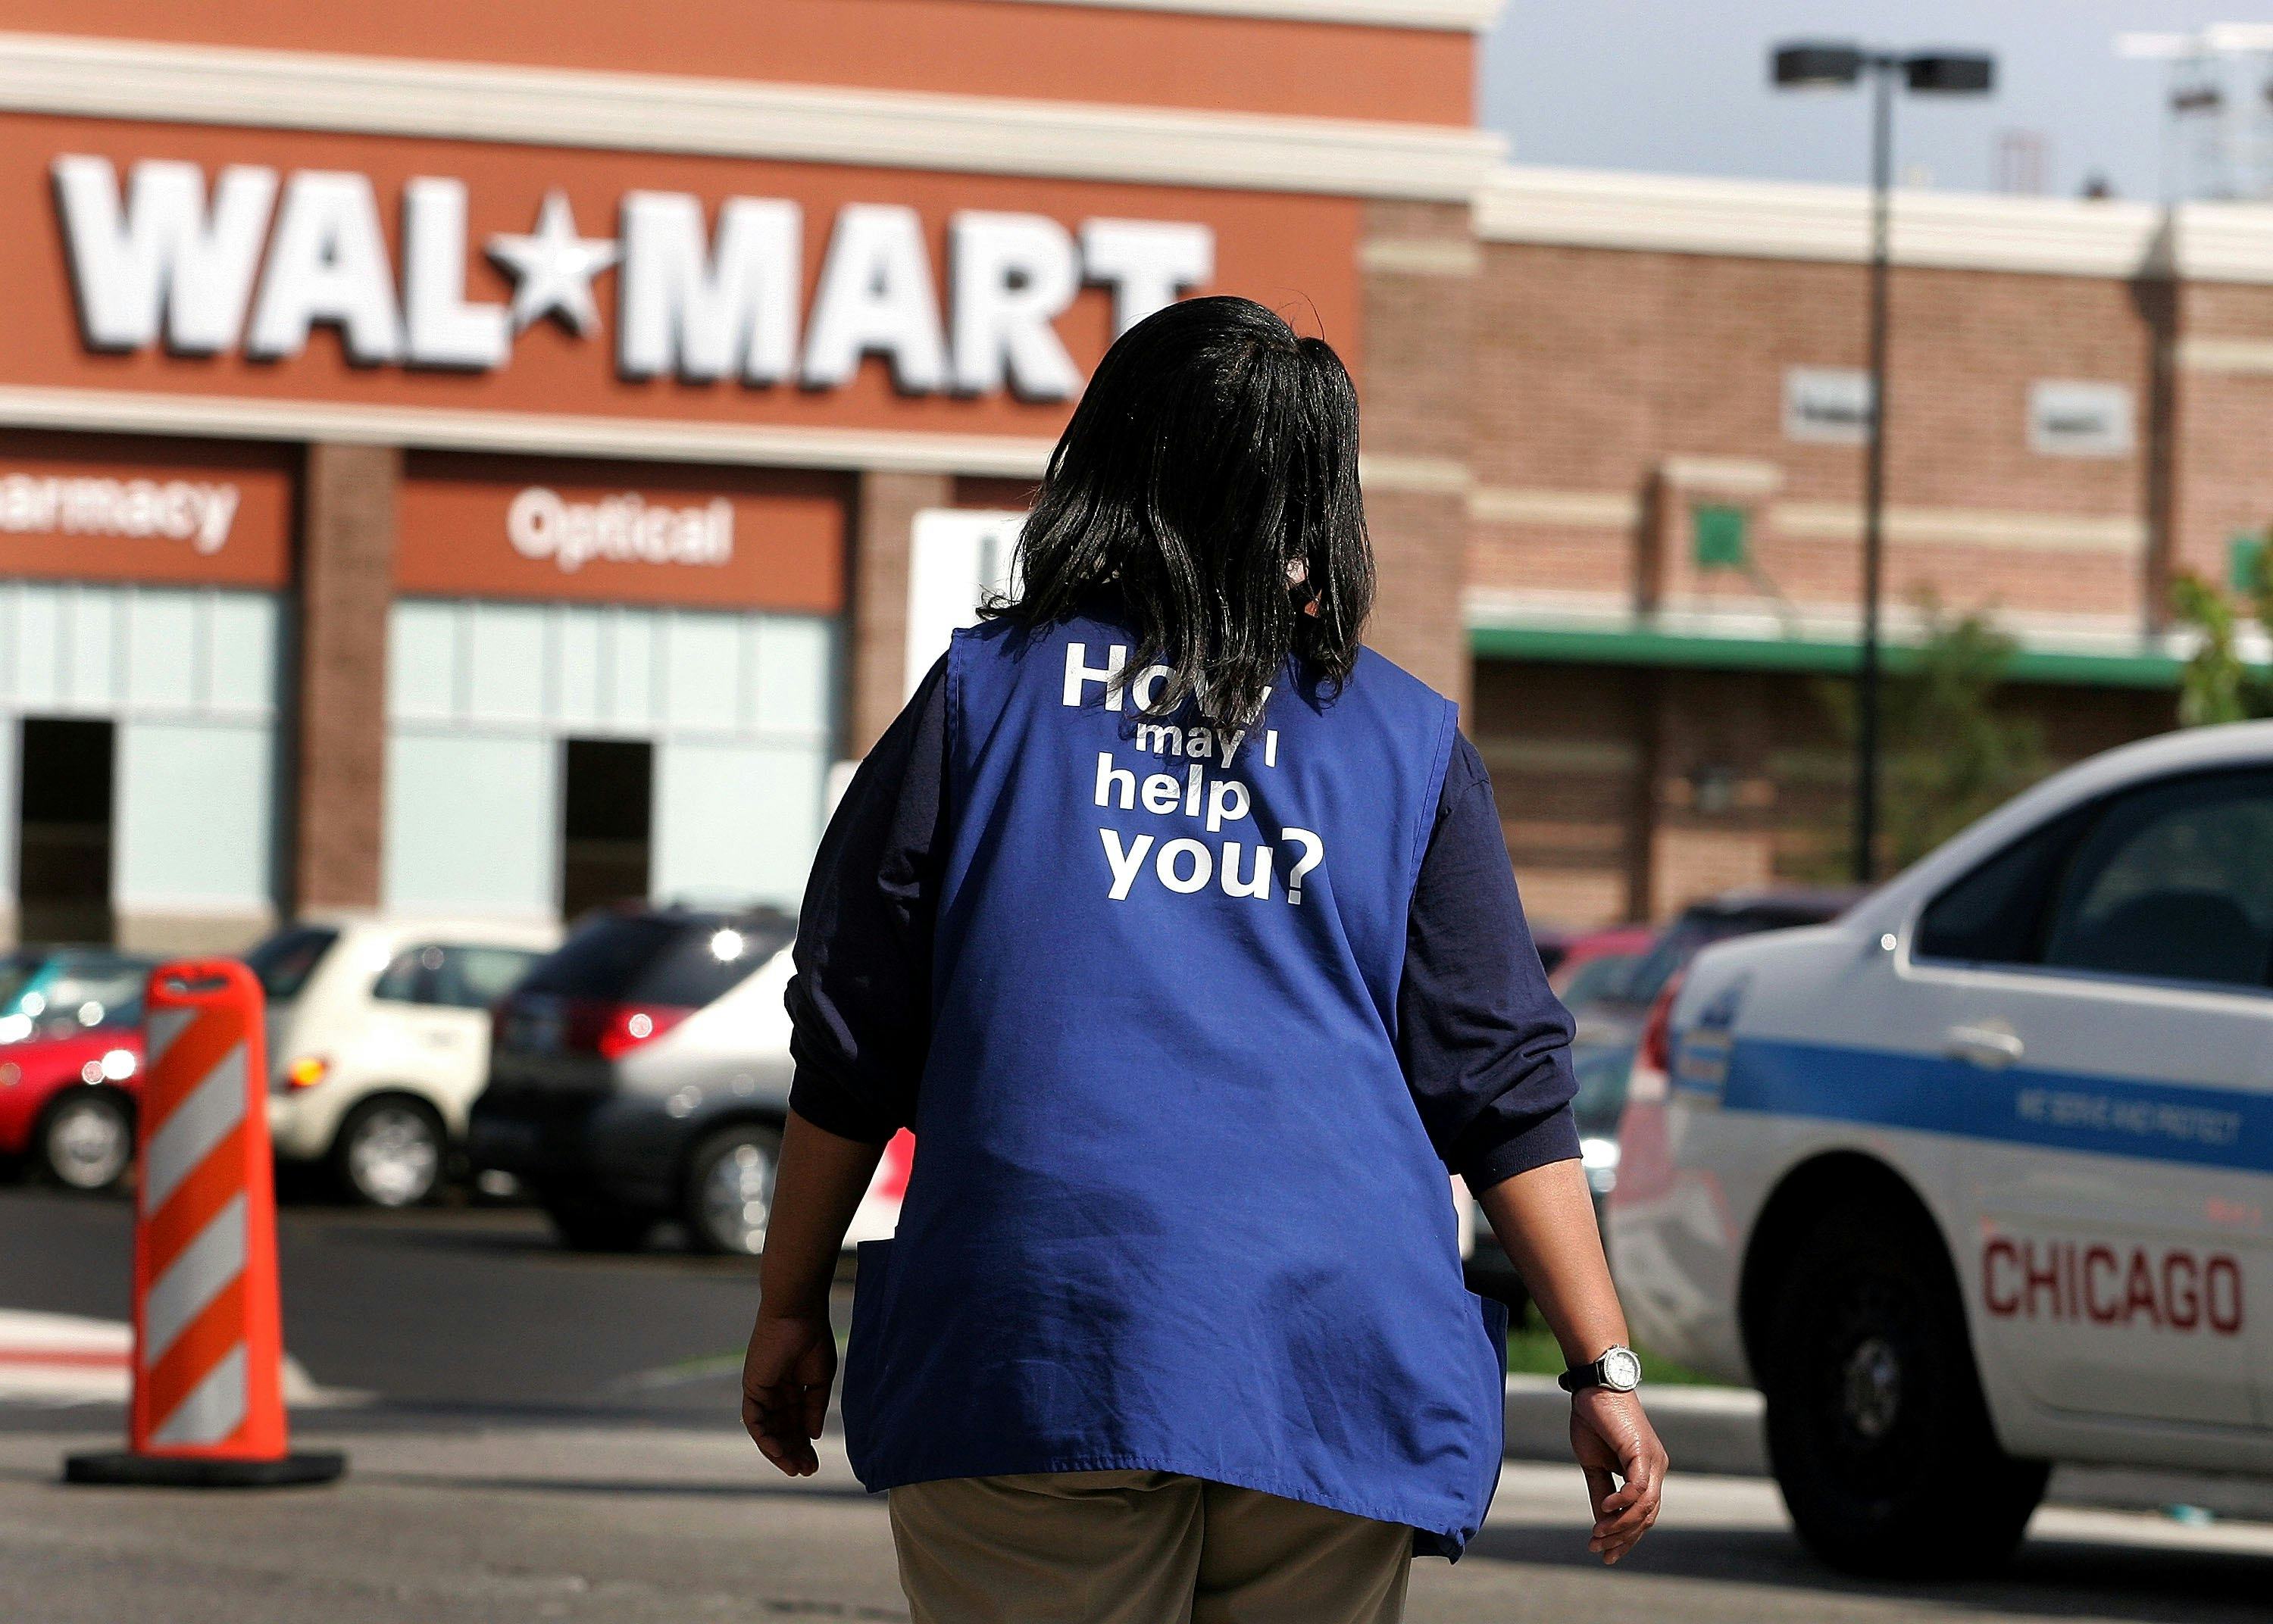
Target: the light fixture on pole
(1814, 65)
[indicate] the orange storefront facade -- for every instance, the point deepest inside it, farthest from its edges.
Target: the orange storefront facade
(417, 426)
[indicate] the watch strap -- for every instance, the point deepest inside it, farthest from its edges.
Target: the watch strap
(1580, 1377)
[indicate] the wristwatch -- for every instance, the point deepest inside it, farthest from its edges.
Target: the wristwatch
(1618, 1370)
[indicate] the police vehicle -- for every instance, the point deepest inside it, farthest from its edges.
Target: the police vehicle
(1977, 1177)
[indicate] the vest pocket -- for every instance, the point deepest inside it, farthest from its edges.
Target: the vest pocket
(1494, 1314)
(865, 1350)
(872, 1272)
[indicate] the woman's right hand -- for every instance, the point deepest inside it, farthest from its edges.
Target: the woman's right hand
(786, 1376)
(1614, 1440)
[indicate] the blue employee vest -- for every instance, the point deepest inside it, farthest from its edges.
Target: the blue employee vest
(1172, 1208)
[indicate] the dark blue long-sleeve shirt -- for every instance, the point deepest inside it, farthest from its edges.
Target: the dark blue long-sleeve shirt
(1483, 1041)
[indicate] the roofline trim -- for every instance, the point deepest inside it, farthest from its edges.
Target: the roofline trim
(641, 112)
(1440, 16)
(1780, 220)
(429, 429)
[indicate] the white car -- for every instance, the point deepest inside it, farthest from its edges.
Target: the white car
(1979, 1177)
(378, 1039)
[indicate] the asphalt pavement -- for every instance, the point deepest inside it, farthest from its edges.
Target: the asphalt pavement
(438, 1311)
(535, 1435)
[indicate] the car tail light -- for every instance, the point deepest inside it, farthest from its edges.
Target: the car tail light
(617, 1029)
(1646, 1167)
(601, 1027)
(1653, 1061)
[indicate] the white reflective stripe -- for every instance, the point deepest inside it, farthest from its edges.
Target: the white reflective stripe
(198, 1124)
(211, 1410)
(160, 1031)
(201, 1272)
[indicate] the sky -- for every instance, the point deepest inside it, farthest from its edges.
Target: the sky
(1682, 88)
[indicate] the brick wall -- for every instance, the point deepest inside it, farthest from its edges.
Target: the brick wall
(1626, 792)
(876, 670)
(1421, 270)
(1594, 368)
(1616, 388)
(346, 575)
(2223, 422)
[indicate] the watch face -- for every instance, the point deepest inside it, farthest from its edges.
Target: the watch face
(1621, 1370)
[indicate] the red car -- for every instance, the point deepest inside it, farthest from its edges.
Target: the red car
(71, 1062)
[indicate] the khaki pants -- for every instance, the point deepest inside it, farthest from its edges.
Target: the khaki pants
(1139, 1548)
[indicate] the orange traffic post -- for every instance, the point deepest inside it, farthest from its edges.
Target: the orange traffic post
(209, 1406)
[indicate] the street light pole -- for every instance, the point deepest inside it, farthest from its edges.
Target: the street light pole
(1874, 477)
(1816, 65)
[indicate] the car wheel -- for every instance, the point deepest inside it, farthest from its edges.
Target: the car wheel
(389, 1152)
(729, 1189)
(1876, 1431)
(86, 1139)
(585, 1225)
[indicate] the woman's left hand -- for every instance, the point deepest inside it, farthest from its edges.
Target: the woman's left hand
(786, 1376)
(1614, 1440)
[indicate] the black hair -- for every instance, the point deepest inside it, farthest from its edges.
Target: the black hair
(1212, 458)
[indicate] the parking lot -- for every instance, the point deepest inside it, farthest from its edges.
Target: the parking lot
(535, 1435)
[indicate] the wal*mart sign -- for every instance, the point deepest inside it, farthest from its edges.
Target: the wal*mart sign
(252, 260)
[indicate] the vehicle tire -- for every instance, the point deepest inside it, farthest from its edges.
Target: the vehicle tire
(389, 1152)
(1876, 1431)
(86, 1139)
(585, 1224)
(729, 1189)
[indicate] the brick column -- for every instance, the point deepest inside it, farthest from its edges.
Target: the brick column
(347, 584)
(1420, 263)
(885, 513)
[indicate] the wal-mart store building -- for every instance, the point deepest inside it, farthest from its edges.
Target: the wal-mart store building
(491, 458)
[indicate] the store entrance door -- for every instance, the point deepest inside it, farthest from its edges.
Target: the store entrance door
(64, 830)
(607, 802)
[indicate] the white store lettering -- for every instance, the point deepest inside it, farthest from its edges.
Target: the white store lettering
(258, 260)
(620, 529)
(174, 510)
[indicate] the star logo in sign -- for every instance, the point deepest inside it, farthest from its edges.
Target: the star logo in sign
(553, 267)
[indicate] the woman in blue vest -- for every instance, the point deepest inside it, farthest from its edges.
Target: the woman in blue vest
(1181, 929)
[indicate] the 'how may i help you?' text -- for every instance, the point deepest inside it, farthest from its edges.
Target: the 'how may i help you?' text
(1202, 792)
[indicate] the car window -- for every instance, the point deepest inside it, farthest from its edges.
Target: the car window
(1601, 1075)
(1600, 978)
(1995, 914)
(1687, 937)
(1638, 984)
(284, 961)
(93, 992)
(677, 960)
(18, 971)
(452, 976)
(408, 976)
(477, 978)
(2174, 882)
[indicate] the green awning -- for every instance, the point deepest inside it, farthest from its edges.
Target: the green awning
(1691, 651)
